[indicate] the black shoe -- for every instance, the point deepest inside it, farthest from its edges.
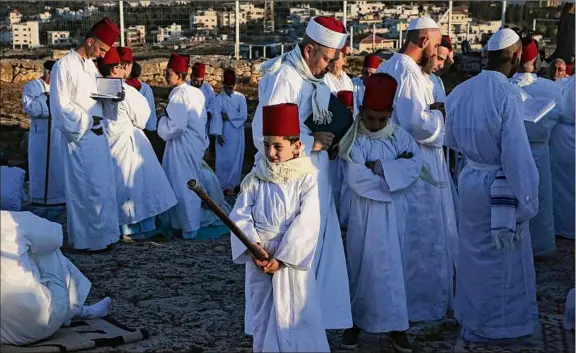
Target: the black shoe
(400, 342)
(350, 338)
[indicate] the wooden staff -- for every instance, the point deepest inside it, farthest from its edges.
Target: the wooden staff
(47, 175)
(195, 186)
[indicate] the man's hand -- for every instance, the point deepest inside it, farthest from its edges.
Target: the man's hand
(272, 266)
(405, 155)
(370, 165)
(260, 263)
(322, 140)
(225, 117)
(220, 140)
(121, 96)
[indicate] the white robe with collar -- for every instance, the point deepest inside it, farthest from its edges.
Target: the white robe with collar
(542, 225)
(147, 92)
(184, 130)
(230, 156)
(438, 90)
(495, 288)
(286, 86)
(88, 171)
(35, 105)
(142, 189)
(431, 243)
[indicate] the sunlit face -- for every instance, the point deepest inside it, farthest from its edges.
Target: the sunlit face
(229, 89)
(375, 120)
(172, 78)
(127, 70)
(430, 43)
(118, 71)
(196, 82)
(367, 72)
(278, 149)
(437, 62)
(318, 58)
(338, 64)
(95, 48)
(557, 71)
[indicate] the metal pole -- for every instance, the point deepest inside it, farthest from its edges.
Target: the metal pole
(450, 19)
(121, 6)
(345, 9)
(534, 24)
(351, 40)
(400, 41)
(264, 52)
(48, 149)
(503, 13)
(250, 51)
(237, 40)
(373, 38)
(281, 49)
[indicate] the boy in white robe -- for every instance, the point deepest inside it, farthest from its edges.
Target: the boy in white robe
(498, 192)
(35, 99)
(277, 209)
(369, 67)
(142, 189)
(382, 160)
(197, 80)
(336, 79)
(183, 127)
(88, 171)
(41, 289)
(230, 112)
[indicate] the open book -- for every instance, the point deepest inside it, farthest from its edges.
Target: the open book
(108, 88)
(536, 108)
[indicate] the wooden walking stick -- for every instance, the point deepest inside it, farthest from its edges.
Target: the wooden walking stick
(195, 186)
(47, 175)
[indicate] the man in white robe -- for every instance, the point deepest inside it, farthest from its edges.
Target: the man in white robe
(542, 225)
(41, 289)
(230, 112)
(183, 127)
(88, 173)
(35, 104)
(432, 239)
(371, 63)
(563, 165)
(298, 77)
(557, 70)
(439, 63)
(498, 191)
(142, 189)
(197, 80)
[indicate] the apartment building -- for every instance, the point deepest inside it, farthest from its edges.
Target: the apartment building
(25, 35)
(57, 38)
(135, 35)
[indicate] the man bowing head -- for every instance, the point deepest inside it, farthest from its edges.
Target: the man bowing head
(298, 77)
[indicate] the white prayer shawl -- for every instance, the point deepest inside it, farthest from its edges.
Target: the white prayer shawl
(562, 162)
(40, 287)
(147, 92)
(495, 288)
(438, 90)
(184, 130)
(337, 84)
(35, 105)
(285, 85)
(432, 242)
(230, 156)
(375, 237)
(542, 225)
(88, 172)
(142, 189)
(284, 309)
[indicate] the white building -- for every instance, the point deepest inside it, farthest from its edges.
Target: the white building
(248, 12)
(207, 19)
(172, 33)
(358, 8)
(57, 38)
(13, 18)
(25, 35)
(136, 35)
(45, 17)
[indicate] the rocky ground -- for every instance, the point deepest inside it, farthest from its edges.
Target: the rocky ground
(189, 295)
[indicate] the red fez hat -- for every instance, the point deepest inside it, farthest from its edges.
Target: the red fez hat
(106, 31)
(199, 70)
(379, 93)
(446, 42)
(371, 61)
(111, 57)
(346, 97)
(179, 63)
(569, 68)
(229, 77)
(280, 120)
(529, 52)
(125, 54)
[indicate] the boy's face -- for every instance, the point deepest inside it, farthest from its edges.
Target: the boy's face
(278, 149)
(375, 120)
(229, 89)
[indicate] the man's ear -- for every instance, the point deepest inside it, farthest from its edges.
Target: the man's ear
(307, 51)
(424, 41)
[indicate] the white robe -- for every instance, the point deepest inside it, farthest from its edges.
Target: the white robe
(211, 185)
(40, 287)
(337, 84)
(542, 225)
(283, 218)
(230, 156)
(35, 105)
(562, 162)
(88, 169)
(286, 86)
(431, 243)
(438, 91)
(147, 92)
(495, 288)
(358, 93)
(374, 240)
(184, 130)
(142, 189)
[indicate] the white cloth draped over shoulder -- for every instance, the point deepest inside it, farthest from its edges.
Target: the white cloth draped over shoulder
(375, 237)
(142, 189)
(562, 162)
(40, 287)
(438, 90)
(432, 241)
(338, 83)
(542, 225)
(286, 85)
(495, 288)
(230, 156)
(147, 92)
(184, 130)
(35, 105)
(88, 172)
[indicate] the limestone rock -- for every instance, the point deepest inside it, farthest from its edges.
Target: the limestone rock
(6, 71)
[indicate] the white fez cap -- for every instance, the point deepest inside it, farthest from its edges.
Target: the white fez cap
(327, 31)
(502, 39)
(422, 23)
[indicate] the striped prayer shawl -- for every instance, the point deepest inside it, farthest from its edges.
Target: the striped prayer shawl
(505, 232)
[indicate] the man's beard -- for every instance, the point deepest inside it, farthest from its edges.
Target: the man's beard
(424, 60)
